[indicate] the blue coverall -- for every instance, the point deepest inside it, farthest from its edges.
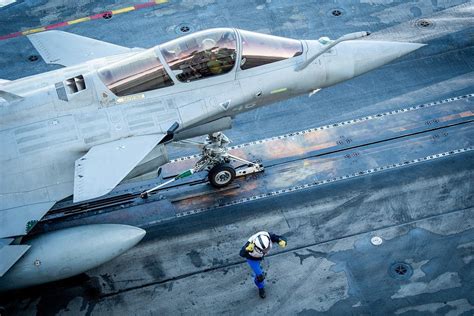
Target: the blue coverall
(257, 270)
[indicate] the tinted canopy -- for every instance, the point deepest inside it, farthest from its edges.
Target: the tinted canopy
(135, 74)
(260, 49)
(202, 54)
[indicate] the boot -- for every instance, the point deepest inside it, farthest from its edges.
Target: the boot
(261, 292)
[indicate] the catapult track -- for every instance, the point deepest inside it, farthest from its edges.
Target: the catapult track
(293, 162)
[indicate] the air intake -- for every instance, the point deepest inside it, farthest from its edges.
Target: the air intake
(75, 84)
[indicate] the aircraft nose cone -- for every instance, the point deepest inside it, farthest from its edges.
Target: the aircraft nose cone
(354, 58)
(369, 55)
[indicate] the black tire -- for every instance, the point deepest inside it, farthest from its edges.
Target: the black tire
(221, 175)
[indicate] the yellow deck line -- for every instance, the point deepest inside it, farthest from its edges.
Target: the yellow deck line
(123, 10)
(39, 29)
(79, 20)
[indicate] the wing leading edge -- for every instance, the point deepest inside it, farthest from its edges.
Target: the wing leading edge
(67, 49)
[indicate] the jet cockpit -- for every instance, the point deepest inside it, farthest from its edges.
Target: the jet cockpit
(196, 56)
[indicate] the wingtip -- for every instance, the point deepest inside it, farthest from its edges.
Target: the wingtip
(416, 46)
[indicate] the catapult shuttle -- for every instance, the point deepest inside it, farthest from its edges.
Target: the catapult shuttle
(111, 112)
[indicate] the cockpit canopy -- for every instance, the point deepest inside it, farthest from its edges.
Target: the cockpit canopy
(196, 56)
(260, 49)
(201, 55)
(138, 73)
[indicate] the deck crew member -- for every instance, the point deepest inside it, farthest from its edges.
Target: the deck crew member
(254, 251)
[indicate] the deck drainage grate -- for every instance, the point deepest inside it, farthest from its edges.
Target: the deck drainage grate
(184, 28)
(400, 271)
(336, 12)
(424, 23)
(107, 15)
(33, 58)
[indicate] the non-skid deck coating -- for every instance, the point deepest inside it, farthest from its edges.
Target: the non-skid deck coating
(329, 267)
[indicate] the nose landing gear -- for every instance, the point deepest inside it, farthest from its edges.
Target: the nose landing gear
(215, 159)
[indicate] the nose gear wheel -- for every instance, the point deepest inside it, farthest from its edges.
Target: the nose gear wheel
(221, 175)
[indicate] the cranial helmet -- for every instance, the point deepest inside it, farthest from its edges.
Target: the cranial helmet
(208, 43)
(262, 242)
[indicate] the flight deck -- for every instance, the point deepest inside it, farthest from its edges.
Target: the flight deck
(292, 162)
(334, 166)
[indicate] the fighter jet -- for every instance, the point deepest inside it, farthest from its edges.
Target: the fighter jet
(111, 112)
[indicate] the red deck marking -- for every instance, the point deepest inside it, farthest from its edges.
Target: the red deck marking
(144, 5)
(85, 19)
(100, 15)
(11, 35)
(97, 16)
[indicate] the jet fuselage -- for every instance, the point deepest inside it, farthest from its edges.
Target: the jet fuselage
(53, 126)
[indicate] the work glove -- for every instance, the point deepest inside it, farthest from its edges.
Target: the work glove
(282, 242)
(250, 247)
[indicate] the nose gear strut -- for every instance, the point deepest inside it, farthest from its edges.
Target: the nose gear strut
(215, 159)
